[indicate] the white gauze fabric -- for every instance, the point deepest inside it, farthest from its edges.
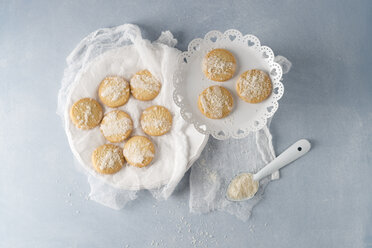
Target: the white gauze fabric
(122, 51)
(222, 160)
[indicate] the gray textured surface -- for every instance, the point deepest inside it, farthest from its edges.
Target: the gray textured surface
(324, 200)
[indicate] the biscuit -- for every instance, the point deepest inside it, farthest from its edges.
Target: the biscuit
(86, 113)
(254, 86)
(114, 91)
(219, 65)
(156, 120)
(116, 126)
(215, 102)
(139, 151)
(108, 159)
(144, 86)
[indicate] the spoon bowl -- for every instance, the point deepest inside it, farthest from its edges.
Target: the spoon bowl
(242, 187)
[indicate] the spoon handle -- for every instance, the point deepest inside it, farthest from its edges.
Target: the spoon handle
(292, 153)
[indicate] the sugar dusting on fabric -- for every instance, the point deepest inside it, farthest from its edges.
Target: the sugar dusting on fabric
(212, 173)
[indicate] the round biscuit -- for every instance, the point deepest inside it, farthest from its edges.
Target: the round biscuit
(144, 86)
(219, 65)
(86, 113)
(156, 120)
(254, 86)
(215, 102)
(116, 126)
(139, 151)
(108, 159)
(114, 91)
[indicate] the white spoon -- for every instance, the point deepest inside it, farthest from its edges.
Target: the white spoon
(245, 185)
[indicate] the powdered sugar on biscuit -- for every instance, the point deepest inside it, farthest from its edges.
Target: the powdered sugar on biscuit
(215, 65)
(113, 125)
(156, 119)
(213, 102)
(254, 85)
(85, 111)
(114, 88)
(109, 158)
(145, 83)
(137, 152)
(160, 125)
